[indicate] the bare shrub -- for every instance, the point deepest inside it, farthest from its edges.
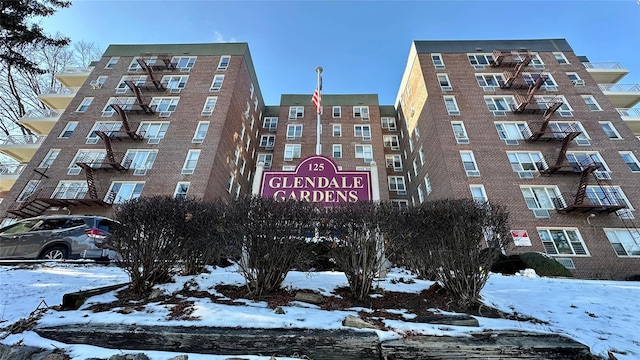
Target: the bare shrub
(272, 237)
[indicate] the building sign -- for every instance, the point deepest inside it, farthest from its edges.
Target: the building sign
(317, 179)
(520, 238)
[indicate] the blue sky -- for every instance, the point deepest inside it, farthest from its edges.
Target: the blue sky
(362, 45)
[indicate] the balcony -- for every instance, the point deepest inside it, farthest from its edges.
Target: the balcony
(21, 147)
(9, 174)
(606, 72)
(41, 121)
(621, 95)
(632, 118)
(58, 98)
(73, 77)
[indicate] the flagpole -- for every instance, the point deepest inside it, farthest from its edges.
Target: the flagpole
(319, 127)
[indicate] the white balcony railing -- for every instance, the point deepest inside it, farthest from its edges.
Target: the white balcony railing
(16, 169)
(629, 112)
(627, 88)
(60, 91)
(603, 65)
(76, 70)
(22, 139)
(41, 113)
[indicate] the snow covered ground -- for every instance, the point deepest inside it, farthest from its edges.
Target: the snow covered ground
(603, 315)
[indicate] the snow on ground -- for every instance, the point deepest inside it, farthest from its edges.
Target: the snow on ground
(600, 314)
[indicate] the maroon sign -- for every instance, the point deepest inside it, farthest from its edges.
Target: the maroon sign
(317, 179)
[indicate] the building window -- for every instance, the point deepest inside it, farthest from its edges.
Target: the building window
(391, 141)
(181, 190)
(49, 159)
(123, 191)
(610, 195)
(451, 105)
(135, 64)
(582, 159)
(549, 84)
(137, 81)
(93, 158)
(85, 104)
(396, 183)
(526, 163)
(422, 156)
(389, 123)
(141, 160)
(184, 63)
(292, 151)
(165, 106)
(190, 162)
(68, 129)
(296, 112)
(561, 129)
(415, 167)
(236, 156)
(562, 241)
(445, 84)
(478, 194)
(547, 101)
(630, 159)
(364, 152)
(267, 141)
(541, 199)
(175, 84)
(459, 132)
(270, 123)
(216, 85)
(337, 151)
(29, 189)
(536, 62)
(438, 63)
(479, 61)
(154, 131)
(294, 131)
(394, 162)
(610, 130)
(427, 184)
(201, 132)
(109, 128)
(112, 63)
(125, 103)
(560, 58)
(624, 241)
(499, 105)
(489, 82)
(575, 78)
(266, 159)
(362, 131)
(337, 130)
(469, 163)
(70, 190)
(98, 82)
(223, 64)
(591, 102)
(511, 132)
(209, 106)
(361, 112)
(336, 111)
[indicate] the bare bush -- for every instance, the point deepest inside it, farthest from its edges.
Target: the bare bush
(272, 238)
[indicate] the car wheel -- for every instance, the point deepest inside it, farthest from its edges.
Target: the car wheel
(55, 253)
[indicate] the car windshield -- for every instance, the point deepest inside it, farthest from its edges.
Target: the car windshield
(20, 227)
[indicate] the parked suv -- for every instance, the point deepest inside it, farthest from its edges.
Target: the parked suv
(57, 237)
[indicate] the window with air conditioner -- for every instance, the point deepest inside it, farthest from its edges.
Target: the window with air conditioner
(270, 123)
(394, 162)
(362, 131)
(469, 164)
(296, 112)
(562, 241)
(267, 141)
(361, 112)
(459, 132)
(397, 184)
(391, 142)
(364, 152)
(389, 123)
(294, 131)
(451, 105)
(575, 79)
(625, 242)
(541, 199)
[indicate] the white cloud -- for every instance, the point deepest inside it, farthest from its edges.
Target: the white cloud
(217, 37)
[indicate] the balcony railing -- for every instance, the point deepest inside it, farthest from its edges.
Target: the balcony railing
(603, 65)
(629, 112)
(12, 169)
(633, 88)
(60, 91)
(22, 139)
(76, 70)
(41, 113)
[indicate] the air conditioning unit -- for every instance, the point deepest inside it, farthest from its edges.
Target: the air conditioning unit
(578, 82)
(214, 89)
(206, 113)
(140, 172)
(566, 262)
(461, 140)
(390, 165)
(454, 112)
(288, 159)
(153, 140)
(92, 140)
(473, 173)
(197, 140)
(95, 84)
(165, 113)
(175, 91)
(511, 141)
(187, 171)
(446, 88)
(602, 175)
(499, 113)
(365, 118)
(489, 88)
(541, 213)
(583, 142)
(438, 66)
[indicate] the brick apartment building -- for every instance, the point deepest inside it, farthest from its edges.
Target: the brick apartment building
(522, 123)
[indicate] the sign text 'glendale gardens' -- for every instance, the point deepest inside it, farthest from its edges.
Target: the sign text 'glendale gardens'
(317, 179)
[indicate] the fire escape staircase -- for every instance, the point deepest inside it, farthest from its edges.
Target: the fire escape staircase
(125, 122)
(509, 58)
(522, 101)
(608, 203)
(33, 205)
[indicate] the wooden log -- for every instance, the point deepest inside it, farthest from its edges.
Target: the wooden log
(317, 344)
(72, 301)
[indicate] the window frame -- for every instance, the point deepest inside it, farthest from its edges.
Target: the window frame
(560, 58)
(337, 127)
(336, 151)
(566, 246)
(591, 102)
(361, 112)
(391, 141)
(190, 162)
(611, 131)
(134, 193)
(443, 80)
(460, 135)
(294, 131)
(469, 163)
(216, 83)
(545, 204)
(366, 149)
(393, 161)
(200, 134)
(223, 63)
(389, 123)
(630, 159)
(336, 114)
(84, 105)
(437, 60)
(451, 100)
(623, 245)
(179, 193)
(49, 159)
(295, 113)
(271, 121)
(294, 150)
(480, 197)
(364, 132)
(397, 184)
(68, 130)
(267, 141)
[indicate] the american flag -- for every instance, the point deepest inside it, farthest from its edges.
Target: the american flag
(317, 97)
